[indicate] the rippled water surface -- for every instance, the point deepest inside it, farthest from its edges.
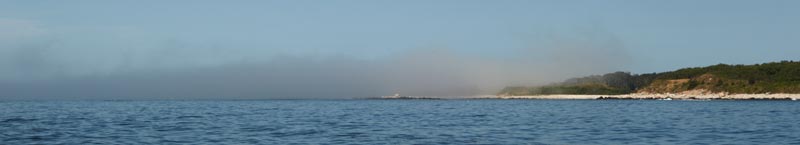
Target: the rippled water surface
(401, 122)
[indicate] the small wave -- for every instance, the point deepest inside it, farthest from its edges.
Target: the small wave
(352, 135)
(296, 133)
(479, 115)
(406, 137)
(187, 117)
(260, 129)
(17, 120)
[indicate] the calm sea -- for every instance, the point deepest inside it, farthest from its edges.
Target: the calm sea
(400, 122)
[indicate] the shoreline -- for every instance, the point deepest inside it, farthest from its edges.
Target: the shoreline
(657, 97)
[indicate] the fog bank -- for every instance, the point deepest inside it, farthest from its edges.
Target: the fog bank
(116, 63)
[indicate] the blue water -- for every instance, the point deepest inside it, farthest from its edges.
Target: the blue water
(401, 122)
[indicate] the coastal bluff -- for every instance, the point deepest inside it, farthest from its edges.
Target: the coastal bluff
(659, 97)
(773, 80)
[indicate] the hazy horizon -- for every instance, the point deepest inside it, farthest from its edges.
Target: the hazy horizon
(346, 49)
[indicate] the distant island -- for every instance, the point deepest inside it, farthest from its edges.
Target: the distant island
(774, 80)
(399, 97)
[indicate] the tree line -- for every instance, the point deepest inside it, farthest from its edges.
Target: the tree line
(772, 77)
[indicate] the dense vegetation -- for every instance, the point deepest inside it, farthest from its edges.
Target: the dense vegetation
(774, 77)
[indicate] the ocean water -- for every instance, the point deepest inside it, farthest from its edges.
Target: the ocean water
(400, 122)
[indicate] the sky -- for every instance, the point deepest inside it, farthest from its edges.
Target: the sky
(181, 49)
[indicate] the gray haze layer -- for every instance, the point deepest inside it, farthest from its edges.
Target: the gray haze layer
(37, 64)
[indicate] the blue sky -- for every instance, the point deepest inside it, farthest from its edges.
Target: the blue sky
(46, 39)
(658, 35)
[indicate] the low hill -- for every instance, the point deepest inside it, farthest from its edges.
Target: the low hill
(773, 77)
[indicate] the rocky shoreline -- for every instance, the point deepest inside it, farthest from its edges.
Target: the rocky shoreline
(720, 96)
